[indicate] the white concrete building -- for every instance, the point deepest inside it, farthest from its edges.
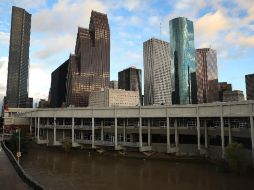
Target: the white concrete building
(157, 75)
(114, 97)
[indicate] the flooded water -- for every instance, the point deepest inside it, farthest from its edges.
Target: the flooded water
(55, 169)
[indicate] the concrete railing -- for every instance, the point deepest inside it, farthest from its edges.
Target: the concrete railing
(22, 174)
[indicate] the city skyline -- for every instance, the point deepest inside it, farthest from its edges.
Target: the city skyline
(41, 67)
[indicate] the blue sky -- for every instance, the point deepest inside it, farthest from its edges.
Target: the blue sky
(226, 26)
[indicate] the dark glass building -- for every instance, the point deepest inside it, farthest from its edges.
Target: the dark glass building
(131, 79)
(89, 67)
(183, 53)
(207, 75)
(18, 66)
(249, 81)
(58, 86)
(222, 87)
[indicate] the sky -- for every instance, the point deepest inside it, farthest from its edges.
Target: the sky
(224, 25)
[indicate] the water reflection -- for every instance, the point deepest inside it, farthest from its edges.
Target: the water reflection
(58, 170)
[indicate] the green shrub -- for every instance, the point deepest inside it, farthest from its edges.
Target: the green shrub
(66, 144)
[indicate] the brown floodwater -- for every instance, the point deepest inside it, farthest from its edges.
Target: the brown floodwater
(55, 169)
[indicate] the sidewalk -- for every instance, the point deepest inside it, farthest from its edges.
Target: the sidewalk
(9, 179)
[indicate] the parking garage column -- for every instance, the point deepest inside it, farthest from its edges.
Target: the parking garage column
(93, 132)
(54, 130)
(176, 134)
(252, 131)
(35, 127)
(168, 136)
(115, 133)
(38, 130)
(149, 132)
(124, 131)
(206, 138)
(30, 127)
(102, 133)
(229, 132)
(222, 133)
(198, 132)
(72, 131)
(140, 129)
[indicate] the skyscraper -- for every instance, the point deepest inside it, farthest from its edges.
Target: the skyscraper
(157, 76)
(18, 66)
(89, 67)
(249, 81)
(183, 53)
(58, 86)
(223, 87)
(207, 75)
(131, 79)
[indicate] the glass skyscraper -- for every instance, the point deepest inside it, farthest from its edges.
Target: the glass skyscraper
(184, 87)
(18, 66)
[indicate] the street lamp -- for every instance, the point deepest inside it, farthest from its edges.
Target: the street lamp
(18, 153)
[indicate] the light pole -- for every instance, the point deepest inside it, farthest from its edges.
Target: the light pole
(19, 153)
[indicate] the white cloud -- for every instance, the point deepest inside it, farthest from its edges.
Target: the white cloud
(3, 76)
(4, 37)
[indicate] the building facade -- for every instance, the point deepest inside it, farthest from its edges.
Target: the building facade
(114, 97)
(249, 81)
(18, 66)
(131, 79)
(157, 72)
(58, 86)
(113, 84)
(222, 87)
(182, 50)
(235, 95)
(89, 67)
(207, 75)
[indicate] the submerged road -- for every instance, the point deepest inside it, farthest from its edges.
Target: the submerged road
(9, 179)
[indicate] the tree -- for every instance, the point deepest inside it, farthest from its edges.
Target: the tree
(234, 158)
(66, 144)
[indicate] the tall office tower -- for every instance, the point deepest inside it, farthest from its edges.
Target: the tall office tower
(18, 66)
(183, 53)
(249, 81)
(113, 84)
(222, 87)
(89, 67)
(57, 97)
(157, 76)
(207, 75)
(131, 79)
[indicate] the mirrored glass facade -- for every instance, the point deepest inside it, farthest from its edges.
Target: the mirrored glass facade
(184, 87)
(207, 75)
(18, 66)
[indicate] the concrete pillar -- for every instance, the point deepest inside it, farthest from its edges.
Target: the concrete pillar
(149, 133)
(54, 130)
(176, 134)
(229, 132)
(222, 137)
(38, 129)
(81, 134)
(206, 137)
(82, 122)
(124, 132)
(115, 133)
(252, 131)
(140, 132)
(47, 134)
(168, 136)
(198, 133)
(35, 123)
(30, 127)
(93, 132)
(72, 130)
(63, 134)
(102, 133)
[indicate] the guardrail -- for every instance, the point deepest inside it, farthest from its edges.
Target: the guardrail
(22, 174)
